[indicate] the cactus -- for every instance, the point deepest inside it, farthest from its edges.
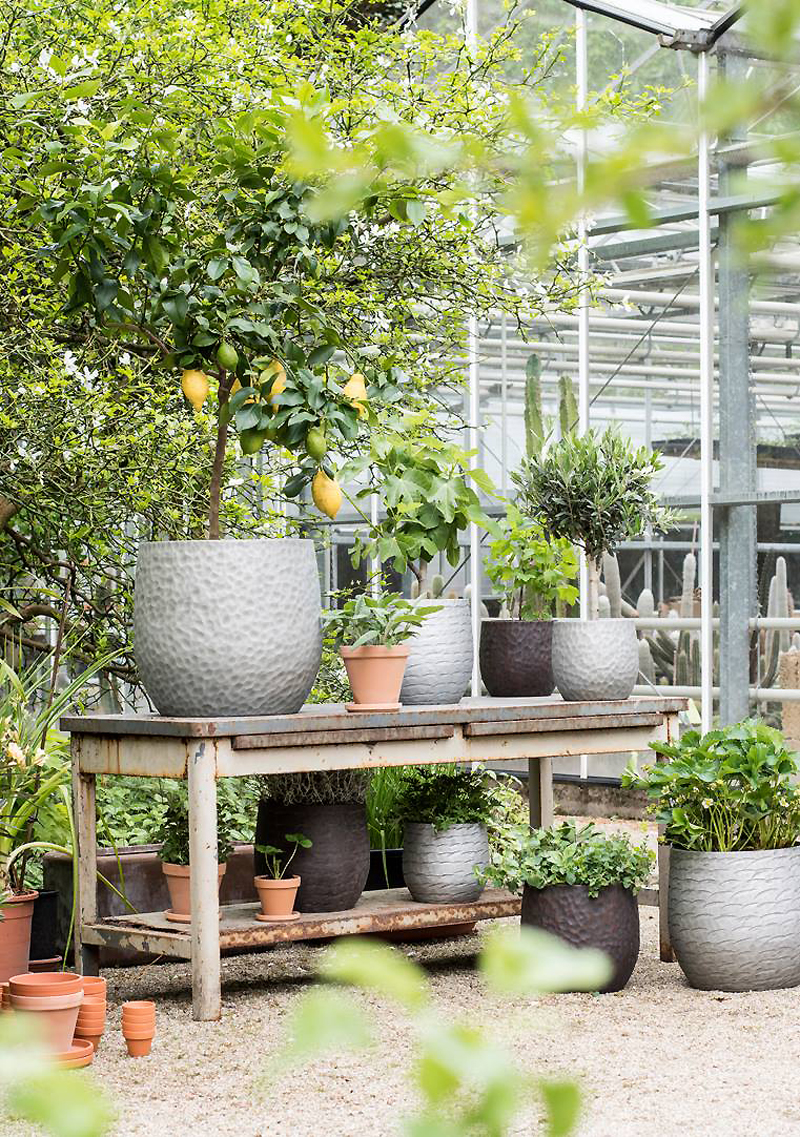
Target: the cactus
(603, 607)
(414, 591)
(437, 586)
(687, 591)
(567, 406)
(468, 596)
(647, 669)
(775, 641)
(534, 420)
(646, 605)
(613, 584)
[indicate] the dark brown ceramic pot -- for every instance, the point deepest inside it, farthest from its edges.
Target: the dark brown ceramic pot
(334, 869)
(608, 921)
(515, 657)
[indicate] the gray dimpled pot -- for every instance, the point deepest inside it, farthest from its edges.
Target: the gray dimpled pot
(439, 867)
(595, 659)
(439, 664)
(227, 627)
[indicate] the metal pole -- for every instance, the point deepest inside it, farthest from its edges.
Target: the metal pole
(706, 406)
(582, 93)
(471, 30)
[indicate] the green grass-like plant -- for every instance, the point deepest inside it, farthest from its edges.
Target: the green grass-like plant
(173, 832)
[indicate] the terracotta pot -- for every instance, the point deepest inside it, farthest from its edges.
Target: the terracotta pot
(139, 1047)
(277, 896)
(180, 890)
(46, 983)
(94, 985)
(516, 658)
(80, 1053)
(138, 1006)
(94, 1000)
(139, 1022)
(15, 934)
(376, 673)
(5, 996)
(57, 1016)
(38, 965)
(94, 1039)
(92, 1012)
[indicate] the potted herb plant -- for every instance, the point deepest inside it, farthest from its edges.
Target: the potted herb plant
(372, 632)
(532, 575)
(445, 811)
(730, 806)
(328, 808)
(173, 834)
(593, 490)
(275, 890)
(579, 884)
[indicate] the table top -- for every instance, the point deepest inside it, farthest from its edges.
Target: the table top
(334, 716)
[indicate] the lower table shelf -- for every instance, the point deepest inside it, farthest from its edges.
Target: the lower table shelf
(391, 910)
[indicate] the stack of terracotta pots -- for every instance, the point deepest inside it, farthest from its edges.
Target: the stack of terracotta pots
(92, 1014)
(54, 998)
(5, 996)
(138, 1027)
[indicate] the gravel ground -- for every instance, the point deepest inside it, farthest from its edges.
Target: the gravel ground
(655, 1060)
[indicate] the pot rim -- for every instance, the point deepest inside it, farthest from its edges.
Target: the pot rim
(138, 1035)
(139, 1005)
(47, 1002)
(21, 897)
(374, 651)
(733, 853)
(605, 888)
(227, 541)
(601, 621)
(169, 869)
(455, 825)
(514, 620)
(66, 981)
(264, 881)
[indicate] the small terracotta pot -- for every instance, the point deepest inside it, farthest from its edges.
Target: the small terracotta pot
(137, 1007)
(57, 1016)
(376, 672)
(180, 889)
(85, 1015)
(46, 983)
(139, 1047)
(5, 996)
(94, 1000)
(93, 1038)
(15, 934)
(142, 1031)
(94, 985)
(277, 896)
(129, 1025)
(81, 1053)
(37, 965)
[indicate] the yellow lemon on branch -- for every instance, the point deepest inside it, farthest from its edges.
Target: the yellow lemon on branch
(355, 389)
(327, 494)
(194, 385)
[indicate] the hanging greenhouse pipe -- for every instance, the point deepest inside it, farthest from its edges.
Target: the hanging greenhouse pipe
(761, 694)
(692, 300)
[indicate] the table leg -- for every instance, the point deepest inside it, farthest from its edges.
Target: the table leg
(202, 773)
(672, 729)
(87, 956)
(540, 792)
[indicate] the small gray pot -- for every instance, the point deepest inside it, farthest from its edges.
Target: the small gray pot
(439, 867)
(440, 660)
(595, 660)
(734, 918)
(227, 627)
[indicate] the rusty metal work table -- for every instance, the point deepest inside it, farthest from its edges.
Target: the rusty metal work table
(322, 737)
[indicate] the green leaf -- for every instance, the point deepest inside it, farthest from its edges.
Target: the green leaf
(532, 961)
(562, 1103)
(376, 967)
(64, 1105)
(325, 1020)
(321, 355)
(83, 90)
(415, 211)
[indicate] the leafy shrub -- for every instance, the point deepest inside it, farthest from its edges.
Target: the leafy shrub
(529, 571)
(173, 833)
(728, 791)
(388, 619)
(566, 854)
(132, 810)
(445, 795)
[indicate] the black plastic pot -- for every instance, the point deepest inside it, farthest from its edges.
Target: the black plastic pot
(44, 926)
(394, 870)
(609, 921)
(515, 658)
(334, 870)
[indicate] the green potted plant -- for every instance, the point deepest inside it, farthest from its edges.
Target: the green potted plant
(276, 891)
(173, 836)
(730, 807)
(385, 828)
(532, 575)
(593, 490)
(328, 808)
(372, 632)
(445, 811)
(579, 884)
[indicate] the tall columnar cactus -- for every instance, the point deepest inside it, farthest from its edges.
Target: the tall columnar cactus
(775, 641)
(646, 604)
(534, 419)
(613, 584)
(647, 668)
(567, 405)
(687, 591)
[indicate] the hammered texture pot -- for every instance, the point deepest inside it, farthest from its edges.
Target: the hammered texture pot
(440, 659)
(595, 659)
(227, 627)
(608, 921)
(334, 871)
(734, 918)
(516, 658)
(439, 867)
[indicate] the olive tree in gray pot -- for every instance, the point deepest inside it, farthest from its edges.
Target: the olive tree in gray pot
(532, 575)
(445, 811)
(731, 810)
(593, 490)
(579, 884)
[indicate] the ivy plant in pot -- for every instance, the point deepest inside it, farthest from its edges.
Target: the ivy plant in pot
(445, 811)
(173, 834)
(276, 891)
(579, 884)
(372, 632)
(593, 490)
(428, 492)
(328, 808)
(730, 806)
(533, 576)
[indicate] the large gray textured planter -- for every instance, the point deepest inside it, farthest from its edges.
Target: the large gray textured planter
(227, 627)
(439, 867)
(440, 660)
(595, 659)
(734, 918)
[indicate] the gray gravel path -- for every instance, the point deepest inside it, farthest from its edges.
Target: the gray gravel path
(656, 1060)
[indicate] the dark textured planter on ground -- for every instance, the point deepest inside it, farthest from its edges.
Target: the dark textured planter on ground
(44, 926)
(334, 870)
(516, 658)
(394, 868)
(609, 921)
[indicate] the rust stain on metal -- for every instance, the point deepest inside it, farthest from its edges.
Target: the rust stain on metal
(368, 735)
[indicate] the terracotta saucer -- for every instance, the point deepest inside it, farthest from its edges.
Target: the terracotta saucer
(81, 1053)
(364, 708)
(277, 919)
(177, 917)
